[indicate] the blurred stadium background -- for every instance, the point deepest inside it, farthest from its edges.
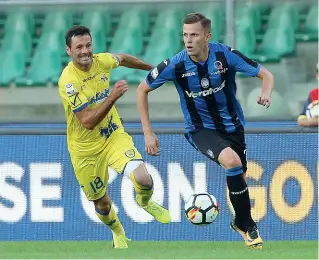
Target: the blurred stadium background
(282, 35)
(39, 196)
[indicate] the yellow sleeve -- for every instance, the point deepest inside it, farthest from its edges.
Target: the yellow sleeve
(111, 61)
(72, 96)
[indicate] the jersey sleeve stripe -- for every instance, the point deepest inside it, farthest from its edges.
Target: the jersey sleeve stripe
(81, 107)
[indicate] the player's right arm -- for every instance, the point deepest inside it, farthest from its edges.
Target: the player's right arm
(156, 78)
(303, 120)
(90, 118)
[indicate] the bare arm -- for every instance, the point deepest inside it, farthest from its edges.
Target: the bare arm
(151, 141)
(142, 105)
(304, 121)
(90, 118)
(267, 87)
(130, 61)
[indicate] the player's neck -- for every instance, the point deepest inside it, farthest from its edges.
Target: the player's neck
(202, 57)
(83, 68)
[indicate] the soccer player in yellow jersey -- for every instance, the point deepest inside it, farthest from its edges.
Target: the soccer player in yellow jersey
(95, 134)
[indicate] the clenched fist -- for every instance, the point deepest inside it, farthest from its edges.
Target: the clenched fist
(119, 89)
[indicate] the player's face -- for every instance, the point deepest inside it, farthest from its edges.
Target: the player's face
(195, 38)
(81, 50)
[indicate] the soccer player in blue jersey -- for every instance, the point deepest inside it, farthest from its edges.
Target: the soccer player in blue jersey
(204, 76)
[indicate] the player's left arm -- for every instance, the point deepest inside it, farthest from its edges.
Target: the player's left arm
(131, 61)
(249, 67)
(267, 87)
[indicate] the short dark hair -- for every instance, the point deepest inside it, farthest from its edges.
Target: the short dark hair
(198, 17)
(76, 30)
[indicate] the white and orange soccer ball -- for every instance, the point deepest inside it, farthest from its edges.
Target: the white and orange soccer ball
(201, 209)
(313, 109)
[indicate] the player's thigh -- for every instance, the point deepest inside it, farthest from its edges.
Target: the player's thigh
(238, 144)
(123, 156)
(92, 175)
(209, 143)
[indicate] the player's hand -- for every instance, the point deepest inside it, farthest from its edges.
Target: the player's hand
(264, 99)
(119, 89)
(152, 144)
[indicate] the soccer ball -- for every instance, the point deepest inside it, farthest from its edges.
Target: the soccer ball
(313, 109)
(201, 209)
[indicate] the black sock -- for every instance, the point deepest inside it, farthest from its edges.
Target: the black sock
(239, 197)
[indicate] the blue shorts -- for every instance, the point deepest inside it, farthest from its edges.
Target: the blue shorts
(211, 144)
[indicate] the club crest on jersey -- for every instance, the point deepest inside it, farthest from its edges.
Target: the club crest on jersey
(69, 88)
(204, 83)
(220, 69)
(130, 153)
(104, 78)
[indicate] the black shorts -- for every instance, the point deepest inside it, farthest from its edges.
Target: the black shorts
(210, 143)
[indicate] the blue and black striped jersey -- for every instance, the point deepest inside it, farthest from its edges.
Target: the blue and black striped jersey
(207, 90)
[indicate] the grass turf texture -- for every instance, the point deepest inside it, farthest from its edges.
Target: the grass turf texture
(159, 250)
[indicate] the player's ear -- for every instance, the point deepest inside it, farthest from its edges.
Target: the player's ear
(208, 36)
(68, 50)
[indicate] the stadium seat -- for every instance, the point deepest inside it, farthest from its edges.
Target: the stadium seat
(245, 39)
(121, 73)
(98, 41)
(285, 15)
(12, 66)
(135, 18)
(276, 43)
(215, 14)
(127, 40)
(171, 18)
(18, 41)
(97, 21)
(52, 41)
(248, 14)
(45, 65)
(58, 22)
(311, 24)
(20, 22)
(279, 109)
(170, 38)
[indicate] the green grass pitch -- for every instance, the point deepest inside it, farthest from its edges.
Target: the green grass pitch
(158, 250)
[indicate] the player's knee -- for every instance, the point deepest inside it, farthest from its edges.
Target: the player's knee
(103, 204)
(233, 162)
(229, 158)
(145, 181)
(142, 177)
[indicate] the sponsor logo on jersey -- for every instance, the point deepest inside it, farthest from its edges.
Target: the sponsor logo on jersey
(111, 127)
(220, 69)
(99, 97)
(69, 88)
(154, 73)
(188, 74)
(204, 93)
(89, 78)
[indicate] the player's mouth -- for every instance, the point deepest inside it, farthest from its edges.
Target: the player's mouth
(189, 48)
(85, 58)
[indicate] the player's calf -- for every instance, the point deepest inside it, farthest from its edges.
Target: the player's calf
(143, 185)
(107, 214)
